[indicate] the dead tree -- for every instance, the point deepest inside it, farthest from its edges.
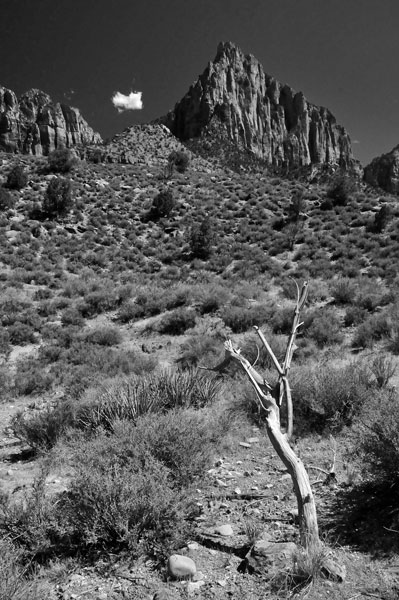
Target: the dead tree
(270, 400)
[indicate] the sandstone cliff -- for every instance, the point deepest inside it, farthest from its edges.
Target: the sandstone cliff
(383, 171)
(236, 99)
(34, 124)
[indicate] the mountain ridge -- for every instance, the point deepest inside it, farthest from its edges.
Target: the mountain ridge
(34, 124)
(259, 114)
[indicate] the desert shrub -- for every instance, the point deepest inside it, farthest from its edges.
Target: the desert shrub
(61, 160)
(4, 341)
(198, 349)
(344, 291)
(58, 199)
(42, 429)
(16, 581)
(162, 205)
(329, 396)
(374, 328)
(377, 437)
(72, 316)
(179, 160)
(254, 351)
(177, 322)
(281, 319)
(240, 319)
(354, 315)
(31, 378)
(200, 239)
(211, 299)
(381, 219)
(323, 326)
(7, 200)
(383, 367)
(21, 333)
(105, 336)
(17, 178)
(340, 190)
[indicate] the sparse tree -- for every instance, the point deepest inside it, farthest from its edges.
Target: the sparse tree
(61, 160)
(201, 239)
(382, 218)
(58, 199)
(270, 400)
(17, 178)
(162, 205)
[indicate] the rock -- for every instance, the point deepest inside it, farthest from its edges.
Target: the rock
(274, 552)
(194, 586)
(332, 570)
(383, 171)
(245, 445)
(181, 567)
(253, 440)
(192, 546)
(225, 530)
(234, 103)
(35, 124)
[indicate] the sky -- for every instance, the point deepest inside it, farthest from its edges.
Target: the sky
(342, 54)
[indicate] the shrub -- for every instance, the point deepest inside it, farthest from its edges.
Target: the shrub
(42, 429)
(58, 199)
(344, 291)
(354, 316)
(71, 316)
(106, 336)
(377, 437)
(177, 322)
(197, 349)
(17, 178)
(162, 205)
(21, 333)
(382, 218)
(201, 239)
(179, 160)
(340, 190)
(329, 396)
(6, 199)
(16, 583)
(324, 327)
(31, 378)
(240, 319)
(61, 160)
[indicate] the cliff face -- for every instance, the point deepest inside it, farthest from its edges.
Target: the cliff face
(383, 171)
(258, 114)
(34, 124)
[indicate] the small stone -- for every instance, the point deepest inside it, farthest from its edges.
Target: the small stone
(221, 483)
(160, 595)
(198, 576)
(225, 530)
(222, 582)
(247, 474)
(192, 546)
(253, 440)
(9, 472)
(245, 445)
(285, 476)
(180, 567)
(194, 586)
(219, 463)
(237, 491)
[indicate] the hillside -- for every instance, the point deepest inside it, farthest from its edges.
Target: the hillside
(114, 303)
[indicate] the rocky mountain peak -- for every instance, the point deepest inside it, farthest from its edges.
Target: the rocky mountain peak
(235, 98)
(34, 124)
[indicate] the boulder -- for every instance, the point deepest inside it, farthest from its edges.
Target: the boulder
(181, 567)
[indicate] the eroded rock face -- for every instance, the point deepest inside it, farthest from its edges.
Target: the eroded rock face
(383, 171)
(258, 114)
(35, 124)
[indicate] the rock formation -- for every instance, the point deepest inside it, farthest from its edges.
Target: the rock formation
(383, 171)
(34, 124)
(235, 99)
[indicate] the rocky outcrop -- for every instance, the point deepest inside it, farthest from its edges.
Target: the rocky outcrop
(235, 98)
(383, 171)
(35, 124)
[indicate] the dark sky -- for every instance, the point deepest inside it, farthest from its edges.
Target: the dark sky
(342, 54)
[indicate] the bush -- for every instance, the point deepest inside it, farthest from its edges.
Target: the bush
(179, 160)
(61, 160)
(16, 583)
(58, 200)
(382, 218)
(42, 429)
(329, 396)
(17, 178)
(177, 322)
(240, 319)
(6, 199)
(340, 190)
(162, 205)
(106, 336)
(377, 438)
(344, 291)
(324, 327)
(201, 239)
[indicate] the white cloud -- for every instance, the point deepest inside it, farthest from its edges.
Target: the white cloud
(131, 102)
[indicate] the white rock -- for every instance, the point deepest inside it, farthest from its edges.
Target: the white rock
(245, 445)
(180, 567)
(193, 586)
(253, 440)
(225, 530)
